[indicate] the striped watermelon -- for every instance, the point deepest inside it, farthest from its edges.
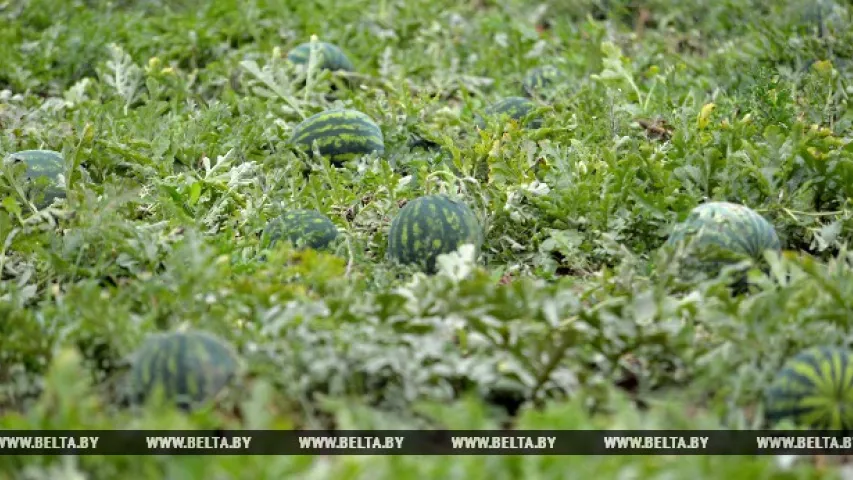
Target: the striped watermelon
(814, 389)
(340, 134)
(328, 56)
(430, 226)
(516, 108)
(188, 367)
(303, 228)
(720, 233)
(418, 140)
(43, 170)
(539, 80)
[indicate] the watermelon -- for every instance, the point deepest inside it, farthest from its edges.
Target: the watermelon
(329, 56)
(340, 134)
(302, 228)
(43, 171)
(430, 226)
(721, 233)
(417, 140)
(189, 368)
(539, 80)
(814, 389)
(516, 108)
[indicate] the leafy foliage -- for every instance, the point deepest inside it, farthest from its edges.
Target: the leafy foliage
(174, 120)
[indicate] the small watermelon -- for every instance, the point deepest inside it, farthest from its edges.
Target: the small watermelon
(430, 226)
(721, 233)
(516, 108)
(538, 81)
(340, 134)
(43, 171)
(303, 228)
(329, 56)
(188, 367)
(422, 141)
(421, 137)
(814, 389)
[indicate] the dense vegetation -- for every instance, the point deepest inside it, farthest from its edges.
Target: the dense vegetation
(175, 118)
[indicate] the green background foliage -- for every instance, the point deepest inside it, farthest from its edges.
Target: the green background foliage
(174, 116)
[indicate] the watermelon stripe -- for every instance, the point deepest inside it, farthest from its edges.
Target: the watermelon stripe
(802, 380)
(830, 369)
(430, 226)
(337, 151)
(333, 117)
(845, 386)
(317, 126)
(719, 233)
(178, 357)
(353, 136)
(339, 134)
(302, 228)
(330, 56)
(188, 367)
(337, 128)
(420, 227)
(326, 121)
(811, 366)
(342, 136)
(814, 389)
(452, 222)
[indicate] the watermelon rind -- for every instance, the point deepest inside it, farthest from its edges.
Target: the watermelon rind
(814, 389)
(514, 108)
(429, 226)
(329, 56)
(43, 175)
(188, 368)
(302, 228)
(722, 233)
(340, 134)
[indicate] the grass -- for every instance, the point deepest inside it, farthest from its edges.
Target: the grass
(174, 116)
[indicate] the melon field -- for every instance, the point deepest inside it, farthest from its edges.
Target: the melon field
(426, 214)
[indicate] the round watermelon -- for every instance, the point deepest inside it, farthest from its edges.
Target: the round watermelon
(423, 140)
(814, 389)
(721, 233)
(340, 134)
(515, 108)
(430, 226)
(302, 228)
(188, 368)
(538, 81)
(43, 171)
(329, 56)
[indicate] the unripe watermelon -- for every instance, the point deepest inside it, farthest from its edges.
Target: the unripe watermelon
(329, 56)
(515, 108)
(302, 228)
(721, 233)
(341, 135)
(43, 170)
(538, 81)
(188, 367)
(814, 389)
(430, 226)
